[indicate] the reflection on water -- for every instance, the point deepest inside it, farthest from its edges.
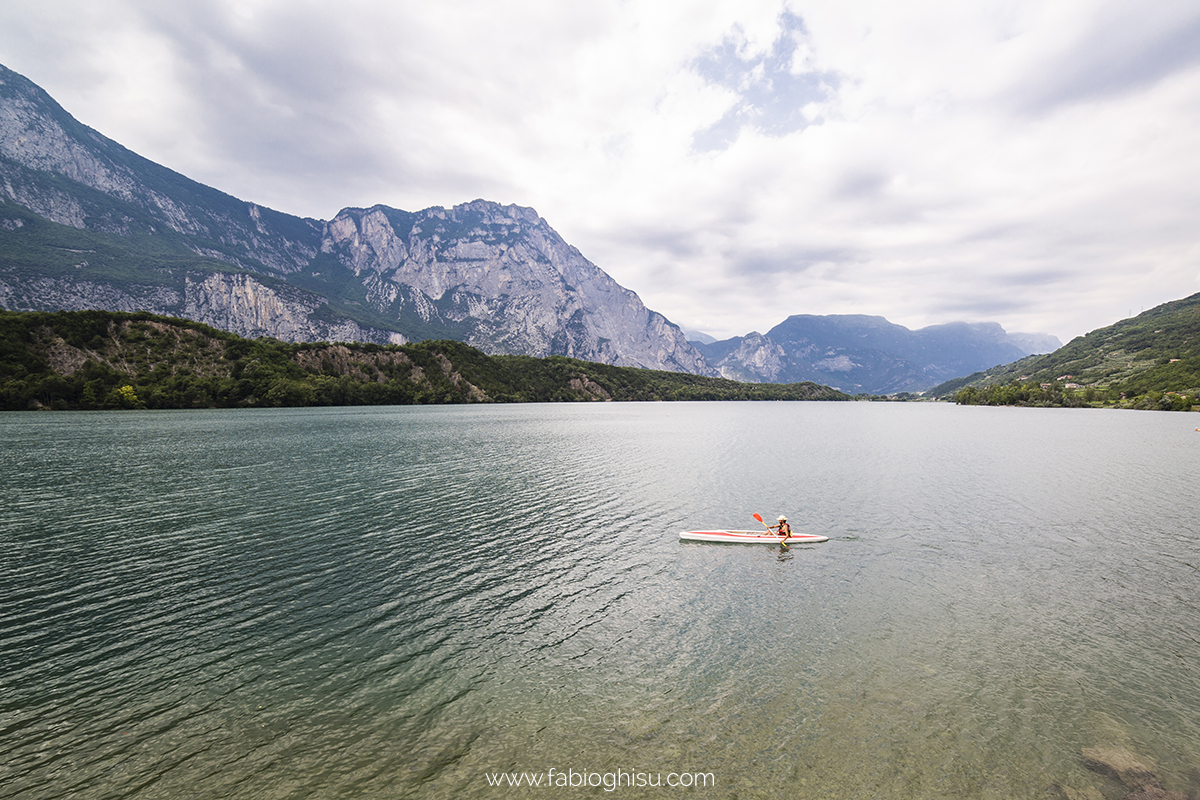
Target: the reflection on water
(398, 602)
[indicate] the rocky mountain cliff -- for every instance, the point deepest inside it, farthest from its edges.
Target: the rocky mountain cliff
(87, 224)
(867, 354)
(499, 278)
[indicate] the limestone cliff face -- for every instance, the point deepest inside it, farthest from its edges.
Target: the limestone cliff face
(757, 359)
(247, 307)
(81, 294)
(506, 277)
(238, 303)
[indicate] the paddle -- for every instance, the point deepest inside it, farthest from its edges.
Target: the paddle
(782, 538)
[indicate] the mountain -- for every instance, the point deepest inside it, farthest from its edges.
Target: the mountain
(87, 224)
(498, 278)
(867, 354)
(1148, 361)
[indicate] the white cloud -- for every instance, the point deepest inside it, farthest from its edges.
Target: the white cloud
(732, 162)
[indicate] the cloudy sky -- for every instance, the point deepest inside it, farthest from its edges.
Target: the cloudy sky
(1032, 163)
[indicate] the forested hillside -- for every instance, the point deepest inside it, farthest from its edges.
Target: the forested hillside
(100, 359)
(1151, 361)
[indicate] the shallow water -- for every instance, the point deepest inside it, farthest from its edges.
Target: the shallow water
(401, 602)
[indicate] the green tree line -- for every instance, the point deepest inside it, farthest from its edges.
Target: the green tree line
(1055, 395)
(112, 360)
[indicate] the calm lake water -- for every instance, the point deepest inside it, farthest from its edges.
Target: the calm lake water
(401, 602)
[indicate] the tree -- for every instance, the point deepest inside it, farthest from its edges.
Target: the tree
(126, 397)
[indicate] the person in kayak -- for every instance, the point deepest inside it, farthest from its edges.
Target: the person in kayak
(783, 529)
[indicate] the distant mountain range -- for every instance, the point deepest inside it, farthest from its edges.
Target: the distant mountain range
(87, 224)
(868, 355)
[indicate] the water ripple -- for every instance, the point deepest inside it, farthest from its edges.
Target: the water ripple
(390, 602)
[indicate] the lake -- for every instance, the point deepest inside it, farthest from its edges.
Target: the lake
(424, 601)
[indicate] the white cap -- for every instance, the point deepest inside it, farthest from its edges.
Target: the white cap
(782, 518)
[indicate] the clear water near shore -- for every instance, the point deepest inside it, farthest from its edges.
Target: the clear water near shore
(397, 602)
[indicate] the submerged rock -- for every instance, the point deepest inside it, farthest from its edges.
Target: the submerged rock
(1121, 764)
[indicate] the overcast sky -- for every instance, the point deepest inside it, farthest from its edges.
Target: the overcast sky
(1035, 164)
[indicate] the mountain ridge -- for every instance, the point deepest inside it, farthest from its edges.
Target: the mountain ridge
(87, 223)
(177, 247)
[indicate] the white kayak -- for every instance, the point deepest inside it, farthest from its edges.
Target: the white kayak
(750, 537)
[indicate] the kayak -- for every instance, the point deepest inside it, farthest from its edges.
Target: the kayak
(749, 537)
